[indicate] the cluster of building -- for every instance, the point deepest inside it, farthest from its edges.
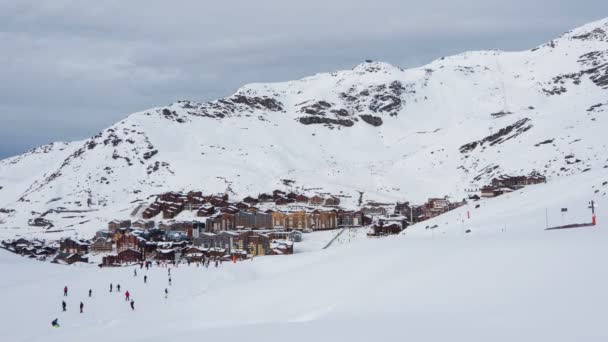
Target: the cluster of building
(433, 207)
(171, 242)
(34, 249)
(171, 204)
(218, 228)
(67, 251)
(505, 184)
(135, 246)
(216, 213)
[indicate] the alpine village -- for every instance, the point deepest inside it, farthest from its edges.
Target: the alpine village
(193, 227)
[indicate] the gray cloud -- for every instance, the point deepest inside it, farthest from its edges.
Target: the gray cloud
(70, 68)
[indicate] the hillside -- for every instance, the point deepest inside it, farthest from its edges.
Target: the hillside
(391, 134)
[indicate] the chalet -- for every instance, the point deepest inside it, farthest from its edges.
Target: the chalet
(292, 195)
(298, 220)
(283, 200)
(141, 224)
(194, 253)
(323, 220)
(277, 194)
(220, 222)
(176, 235)
(148, 247)
(332, 201)
(172, 210)
(316, 200)
(49, 250)
(350, 218)
(294, 235)
(301, 199)
(264, 198)
(129, 255)
(128, 241)
(258, 244)
(254, 220)
(243, 206)
(437, 206)
(390, 229)
(103, 233)
(398, 220)
(70, 246)
(230, 209)
(219, 202)
(102, 244)
(169, 197)
(205, 210)
(491, 191)
(280, 247)
(69, 258)
(225, 240)
(150, 213)
(250, 200)
(113, 225)
(109, 260)
(518, 182)
(374, 210)
(216, 252)
(278, 219)
(195, 195)
(165, 255)
(410, 211)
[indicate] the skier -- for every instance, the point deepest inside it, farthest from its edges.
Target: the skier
(90, 293)
(169, 269)
(132, 304)
(64, 305)
(81, 306)
(135, 272)
(166, 292)
(216, 264)
(110, 287)
(55, 323)
(65, 291)
(145, 279)
(169, 281)
(127, 296)
(118, 287)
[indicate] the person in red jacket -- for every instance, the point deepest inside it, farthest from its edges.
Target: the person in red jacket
(127, 294)
(65, 291)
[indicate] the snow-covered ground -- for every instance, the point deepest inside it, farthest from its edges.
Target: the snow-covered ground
(521, 283)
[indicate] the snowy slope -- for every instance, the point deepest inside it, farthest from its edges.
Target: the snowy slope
(523, 284)
(392, 134)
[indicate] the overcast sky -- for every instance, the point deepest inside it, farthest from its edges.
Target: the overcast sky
(68, 69)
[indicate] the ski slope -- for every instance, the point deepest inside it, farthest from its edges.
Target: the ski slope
(521, 283)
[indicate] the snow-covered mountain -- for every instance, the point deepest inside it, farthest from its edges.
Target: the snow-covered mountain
(391, 134)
